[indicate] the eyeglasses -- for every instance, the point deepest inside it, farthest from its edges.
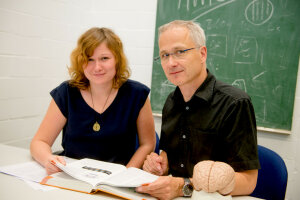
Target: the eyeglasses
(180, 53)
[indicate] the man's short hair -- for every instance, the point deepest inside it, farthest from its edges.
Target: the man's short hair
(196, 32)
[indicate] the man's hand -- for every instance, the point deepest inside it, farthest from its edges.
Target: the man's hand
(156, 164)
(164, 188)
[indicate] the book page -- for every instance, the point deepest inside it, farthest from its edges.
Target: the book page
(91, 171)
(128, 193)
(132, 177)
(30, 171)
(63, 180)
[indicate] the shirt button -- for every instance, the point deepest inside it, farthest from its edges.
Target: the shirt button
(181, 165)
(187, 108)
(183, 136)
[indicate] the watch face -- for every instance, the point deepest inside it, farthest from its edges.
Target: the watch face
(187, 190)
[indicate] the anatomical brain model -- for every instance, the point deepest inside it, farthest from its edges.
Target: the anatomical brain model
(212, 176)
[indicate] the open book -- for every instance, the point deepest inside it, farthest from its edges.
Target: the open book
(89, 176)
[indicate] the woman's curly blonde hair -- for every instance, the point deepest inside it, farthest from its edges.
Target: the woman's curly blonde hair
(86, 45)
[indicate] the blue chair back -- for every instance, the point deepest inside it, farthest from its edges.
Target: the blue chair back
(156, 146)
(272, 177)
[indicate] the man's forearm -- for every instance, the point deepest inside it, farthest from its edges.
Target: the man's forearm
(245, 182)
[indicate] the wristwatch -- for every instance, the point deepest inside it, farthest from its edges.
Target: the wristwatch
(187, 189)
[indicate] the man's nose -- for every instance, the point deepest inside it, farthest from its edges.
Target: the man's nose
(171, 60)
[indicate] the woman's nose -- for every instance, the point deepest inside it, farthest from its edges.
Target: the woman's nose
(98, 66)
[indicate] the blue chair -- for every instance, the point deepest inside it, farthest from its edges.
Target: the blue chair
(272, 177)
(156, 146)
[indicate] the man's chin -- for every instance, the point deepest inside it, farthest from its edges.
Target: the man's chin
(176, 82)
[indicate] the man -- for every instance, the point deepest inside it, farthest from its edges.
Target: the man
(203, 119)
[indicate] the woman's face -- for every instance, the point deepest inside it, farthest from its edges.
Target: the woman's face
(101, 66)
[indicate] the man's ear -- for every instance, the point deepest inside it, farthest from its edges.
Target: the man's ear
(203, 52)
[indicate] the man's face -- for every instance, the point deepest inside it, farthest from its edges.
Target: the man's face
(185, 69)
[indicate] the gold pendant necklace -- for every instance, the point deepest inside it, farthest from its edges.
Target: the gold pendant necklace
(96, 126)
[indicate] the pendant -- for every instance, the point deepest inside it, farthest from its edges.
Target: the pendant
(96, 126)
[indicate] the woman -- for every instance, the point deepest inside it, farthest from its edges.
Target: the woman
(99, 110)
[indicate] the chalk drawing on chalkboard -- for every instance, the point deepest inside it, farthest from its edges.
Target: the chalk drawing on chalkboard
(209, 5)
(261, 113)
(245, 50)
(218, 23)
(258, 75)
(258, 12)
(166, 87)
(277, 91)
(212, 65)
(273, 27)
(167, 83)
(240, 83)
(217, 45)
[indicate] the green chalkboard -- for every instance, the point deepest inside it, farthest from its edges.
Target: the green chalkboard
(252, 44)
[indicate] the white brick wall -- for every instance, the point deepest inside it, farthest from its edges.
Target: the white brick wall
(36, 38)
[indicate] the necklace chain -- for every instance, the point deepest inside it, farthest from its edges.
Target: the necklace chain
(105, 100)
(96, 126)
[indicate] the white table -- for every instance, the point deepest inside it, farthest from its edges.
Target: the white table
(14, 188)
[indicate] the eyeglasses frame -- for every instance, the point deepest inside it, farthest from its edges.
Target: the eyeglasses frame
(169, 54)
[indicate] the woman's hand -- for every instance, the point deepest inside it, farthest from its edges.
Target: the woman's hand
(50, 164)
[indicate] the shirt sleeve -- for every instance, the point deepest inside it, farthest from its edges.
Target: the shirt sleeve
(144, 92)
(240, 136)
(60, 96)
(137, 93)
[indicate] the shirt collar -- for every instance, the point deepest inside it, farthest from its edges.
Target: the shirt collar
(205, 90)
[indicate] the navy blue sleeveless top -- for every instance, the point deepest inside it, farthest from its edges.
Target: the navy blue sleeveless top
(115, 142)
